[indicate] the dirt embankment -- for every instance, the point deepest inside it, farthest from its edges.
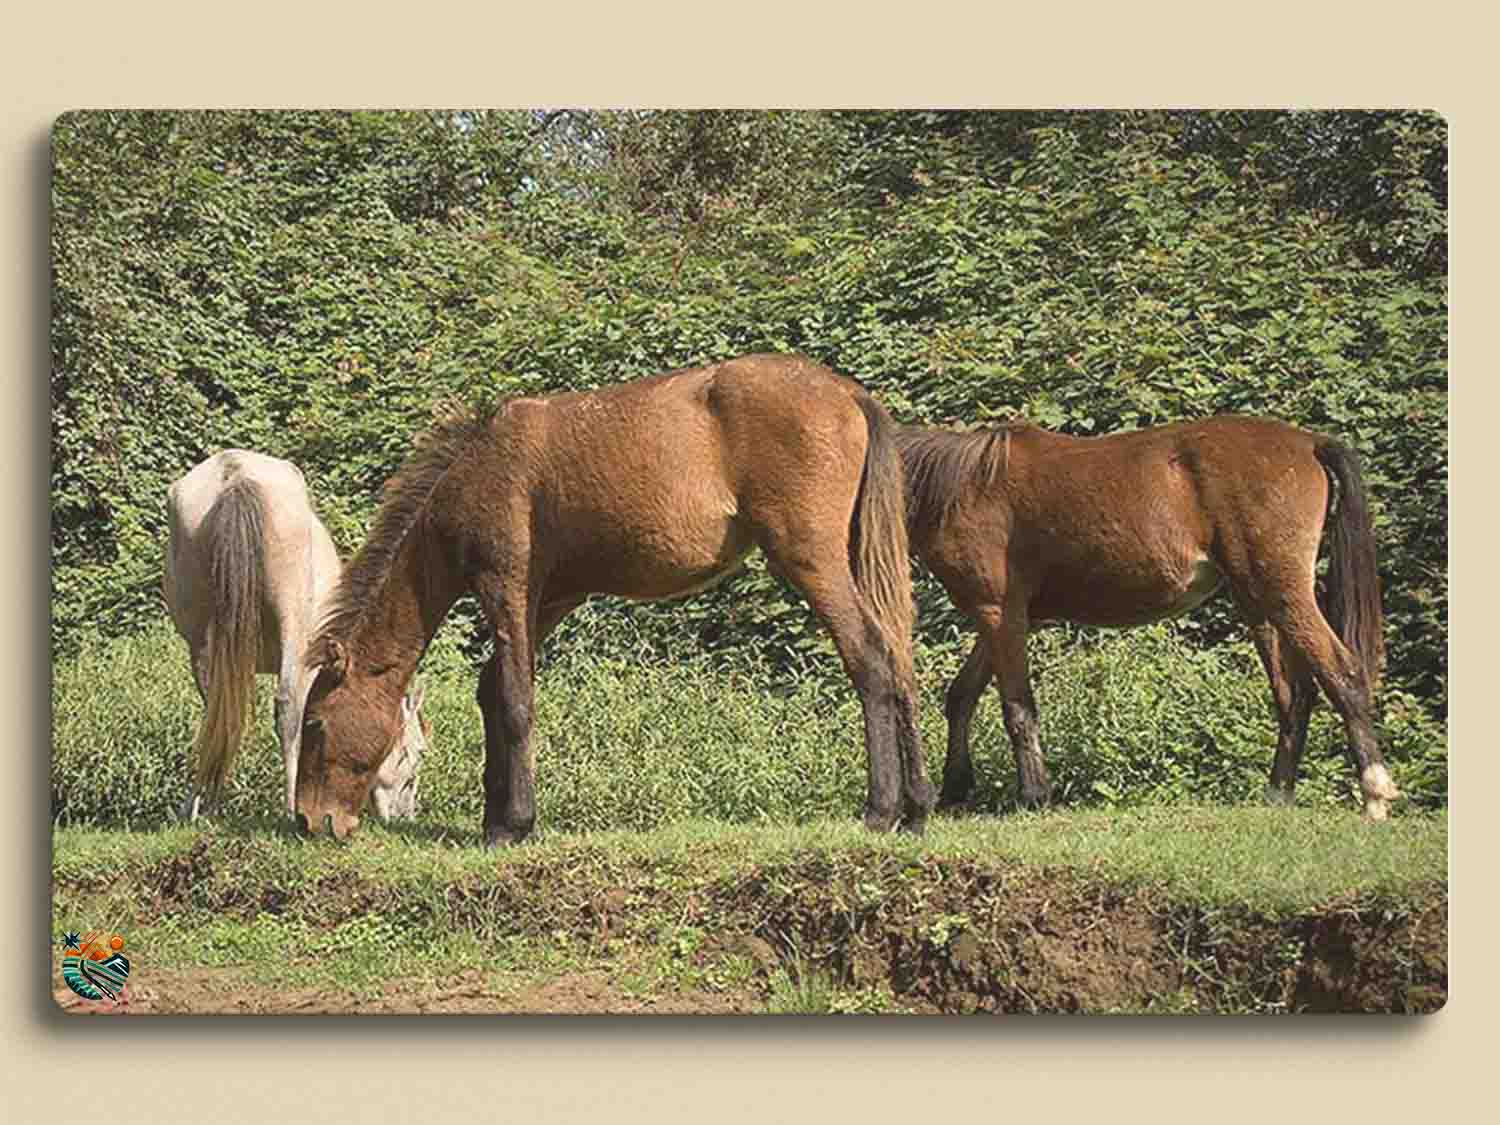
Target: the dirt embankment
(957, 937)
(936, 935)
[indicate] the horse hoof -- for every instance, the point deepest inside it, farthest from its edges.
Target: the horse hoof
(502, 838)
(1275, 795)
(1377, 810)
(880, 822)
(1377, 784)
(190, 810)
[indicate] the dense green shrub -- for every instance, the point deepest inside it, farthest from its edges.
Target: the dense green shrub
(315, 285)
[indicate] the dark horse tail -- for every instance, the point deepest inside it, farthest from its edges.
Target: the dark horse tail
(878, 551)
(234, 529)
(1353, 582)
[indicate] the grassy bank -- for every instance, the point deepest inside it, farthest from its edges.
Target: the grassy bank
(698, 849)
(1186, 909)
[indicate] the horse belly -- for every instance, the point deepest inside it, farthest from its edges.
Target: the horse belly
(1120, 600)
(686, 550)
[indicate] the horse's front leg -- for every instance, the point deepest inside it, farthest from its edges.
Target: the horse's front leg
(1003, 632)
(505, 697)
(958, 706)
(292, 687)
(506, 691)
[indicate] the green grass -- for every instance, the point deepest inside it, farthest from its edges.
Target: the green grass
(1131, 719)
(1271, 860)
(685, 799)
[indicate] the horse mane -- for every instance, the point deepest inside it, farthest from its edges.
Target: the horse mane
(403, 500)
(941, 465)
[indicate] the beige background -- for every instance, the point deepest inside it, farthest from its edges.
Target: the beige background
(279, 1069)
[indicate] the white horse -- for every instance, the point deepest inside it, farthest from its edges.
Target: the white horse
(248, 567)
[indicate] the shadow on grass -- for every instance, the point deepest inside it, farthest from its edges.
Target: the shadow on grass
(411, 831)
(271, 827)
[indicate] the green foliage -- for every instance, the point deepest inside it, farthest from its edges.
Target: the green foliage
(267, 281)
(124, 712)
(800, 989)
(316, 285)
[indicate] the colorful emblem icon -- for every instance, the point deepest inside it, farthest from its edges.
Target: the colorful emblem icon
(94, 967)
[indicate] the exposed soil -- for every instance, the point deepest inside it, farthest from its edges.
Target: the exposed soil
(203, 991)
(934, 935)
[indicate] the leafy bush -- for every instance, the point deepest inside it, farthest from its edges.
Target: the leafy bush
(315, 285)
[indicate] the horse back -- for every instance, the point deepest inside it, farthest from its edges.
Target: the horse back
(653, 488)
(296, 558)
(1188, 475)
(735, 420)
(1129, 527)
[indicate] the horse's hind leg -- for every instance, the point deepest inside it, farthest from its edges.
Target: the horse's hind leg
(1293, 691)
(898, 781)
(192, 804)
(291, 700)
(958, 707)
(1003, 631)
(1342, 677)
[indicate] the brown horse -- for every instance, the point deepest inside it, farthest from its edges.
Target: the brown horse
(651, 489)
(1021, 526)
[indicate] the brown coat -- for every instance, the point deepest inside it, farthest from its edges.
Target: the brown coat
(1022, 525)
(651, 489)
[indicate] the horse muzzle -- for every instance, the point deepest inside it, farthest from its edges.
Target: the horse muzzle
(338, 826)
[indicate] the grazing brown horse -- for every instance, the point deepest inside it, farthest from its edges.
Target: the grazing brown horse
(651, 489)
(1021, 526)
(247, 569)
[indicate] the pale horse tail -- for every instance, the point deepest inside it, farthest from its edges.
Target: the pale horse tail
(235, 528)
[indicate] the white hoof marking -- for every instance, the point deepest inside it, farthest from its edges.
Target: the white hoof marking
(1377, 784)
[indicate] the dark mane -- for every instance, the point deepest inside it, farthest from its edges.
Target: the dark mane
(941, 465)
(403, 499)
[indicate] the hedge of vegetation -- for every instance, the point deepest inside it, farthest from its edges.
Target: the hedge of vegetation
(315, 285)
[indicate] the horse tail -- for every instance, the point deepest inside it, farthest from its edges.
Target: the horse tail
(235, 530)
(1353, 604)
(879, 555)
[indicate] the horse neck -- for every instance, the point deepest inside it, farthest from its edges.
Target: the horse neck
(404, 616)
